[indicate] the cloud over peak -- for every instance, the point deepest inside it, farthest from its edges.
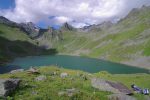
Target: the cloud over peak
(76, 12)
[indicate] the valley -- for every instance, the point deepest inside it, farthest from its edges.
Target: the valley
(124, 42)
(94, 62)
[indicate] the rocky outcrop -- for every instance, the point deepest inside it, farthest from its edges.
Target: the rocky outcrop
(54, 34)
(5, 21)
(31, 29)
(7, 86)
(98, 27)
(109, 86)
(67, 27)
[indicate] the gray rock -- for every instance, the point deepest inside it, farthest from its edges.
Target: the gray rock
(16, 71)
(7, 86)
(109, 86)
(34, 92)
(33, 71)
(71, 92)
(30, 28)
(41, 78)
(68, 92)
(147, 97)
(120, 97)
(63, 75)
(5, 21)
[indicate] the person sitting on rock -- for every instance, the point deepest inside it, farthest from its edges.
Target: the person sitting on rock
(136, 88)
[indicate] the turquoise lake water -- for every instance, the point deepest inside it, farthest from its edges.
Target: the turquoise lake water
(72, 62)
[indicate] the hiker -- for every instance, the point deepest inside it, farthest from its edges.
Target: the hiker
(136, 88)
(146, 91)
(139, 90)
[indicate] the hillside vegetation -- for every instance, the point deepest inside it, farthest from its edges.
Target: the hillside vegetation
(53, 86)
(127, 41)
(124, 42)
(15, 43)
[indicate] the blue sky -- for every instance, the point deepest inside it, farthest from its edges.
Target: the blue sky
(10, 4)
(78, 13)
(42, 24)
(7, 4)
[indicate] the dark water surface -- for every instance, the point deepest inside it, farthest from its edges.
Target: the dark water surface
(72, 62)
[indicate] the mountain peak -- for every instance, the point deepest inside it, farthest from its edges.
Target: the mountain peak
(4, 20)
(98, 27)
(67, 26)
(2, 17)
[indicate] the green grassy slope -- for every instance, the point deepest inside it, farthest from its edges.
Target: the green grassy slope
(127, 40)
(49, 89)
(14, 43)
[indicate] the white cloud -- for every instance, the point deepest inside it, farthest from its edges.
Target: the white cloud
(78, 24)
(77, 12)
(61, 19)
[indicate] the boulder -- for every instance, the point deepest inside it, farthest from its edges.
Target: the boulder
(120, 97)
(63, 75)
(41, 78)
(16, 71)
(114, 87)
(7, 86)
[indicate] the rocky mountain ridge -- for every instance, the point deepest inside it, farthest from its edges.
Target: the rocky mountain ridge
(29, 28)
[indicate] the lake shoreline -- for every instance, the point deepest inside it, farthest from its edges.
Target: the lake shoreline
(87, 64)
(128, 63)
(62, 54)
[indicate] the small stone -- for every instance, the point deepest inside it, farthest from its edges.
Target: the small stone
(63, 75)
(33, 71)
(61, 93)
(71, 92)
(68, 92)
(53, 73)
(41, 78)
(34, 93)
